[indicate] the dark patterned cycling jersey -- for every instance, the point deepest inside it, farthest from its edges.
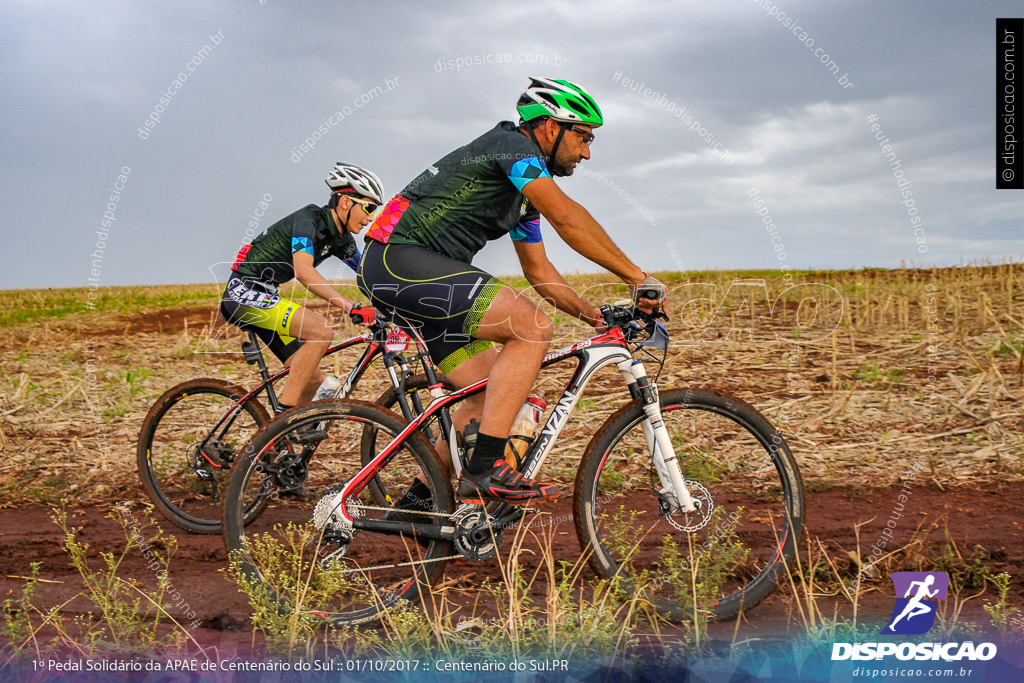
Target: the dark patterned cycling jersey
(469, 197)
(311, 230)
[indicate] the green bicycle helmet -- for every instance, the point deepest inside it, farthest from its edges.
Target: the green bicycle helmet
(563, 101)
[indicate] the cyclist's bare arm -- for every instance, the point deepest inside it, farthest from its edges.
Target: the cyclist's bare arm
(577, 227)
(316, 283)
(550, 284)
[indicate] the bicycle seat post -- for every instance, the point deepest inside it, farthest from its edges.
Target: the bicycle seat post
(253, 355)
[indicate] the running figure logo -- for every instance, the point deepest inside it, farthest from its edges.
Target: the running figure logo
(914, 613)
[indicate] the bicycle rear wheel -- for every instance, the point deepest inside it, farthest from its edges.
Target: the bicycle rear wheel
(185, 484)
(747, 474)
(417, 397)
(347, 576)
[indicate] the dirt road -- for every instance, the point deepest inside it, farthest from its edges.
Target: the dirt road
(988, 516)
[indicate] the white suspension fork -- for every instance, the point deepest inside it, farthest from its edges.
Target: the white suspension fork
(658, 441)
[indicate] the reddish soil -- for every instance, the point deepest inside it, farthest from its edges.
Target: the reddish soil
(989, 516)
(164, 321)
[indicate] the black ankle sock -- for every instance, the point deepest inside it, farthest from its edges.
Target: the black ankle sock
(489, 450)
(281, 407)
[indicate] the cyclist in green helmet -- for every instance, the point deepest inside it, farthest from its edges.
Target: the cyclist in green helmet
(418, 264)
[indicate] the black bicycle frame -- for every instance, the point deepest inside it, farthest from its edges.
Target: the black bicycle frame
(375, 341)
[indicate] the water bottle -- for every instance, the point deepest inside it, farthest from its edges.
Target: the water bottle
(521, 435)
(329, 388)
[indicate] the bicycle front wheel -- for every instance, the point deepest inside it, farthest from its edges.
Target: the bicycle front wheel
(740, 468)
(183, 457)
(347, 576)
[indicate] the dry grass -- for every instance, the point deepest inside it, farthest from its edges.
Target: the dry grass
(854, 401)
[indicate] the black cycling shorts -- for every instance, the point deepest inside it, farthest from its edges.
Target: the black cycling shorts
(442, 298)
(254, 305)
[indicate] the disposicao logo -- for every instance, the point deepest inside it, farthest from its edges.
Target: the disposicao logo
(914, 614)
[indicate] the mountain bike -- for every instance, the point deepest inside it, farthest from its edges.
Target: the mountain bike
(190, 436)
(686, 498)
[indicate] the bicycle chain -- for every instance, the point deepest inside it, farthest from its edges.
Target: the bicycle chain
(403, 564)
(360, 506)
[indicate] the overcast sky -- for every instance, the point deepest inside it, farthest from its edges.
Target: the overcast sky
(79, 79)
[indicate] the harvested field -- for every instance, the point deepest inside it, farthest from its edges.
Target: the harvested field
(854, 402)
(845, 365)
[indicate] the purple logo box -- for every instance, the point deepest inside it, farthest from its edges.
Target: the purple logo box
(902, 581)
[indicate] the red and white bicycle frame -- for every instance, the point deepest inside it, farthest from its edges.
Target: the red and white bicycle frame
(592, 355)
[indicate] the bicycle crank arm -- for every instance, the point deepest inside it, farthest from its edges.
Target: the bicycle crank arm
(433, 532)
(503, 519)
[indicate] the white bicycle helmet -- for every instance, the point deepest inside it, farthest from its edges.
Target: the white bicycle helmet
(562, 100)
(364, 183)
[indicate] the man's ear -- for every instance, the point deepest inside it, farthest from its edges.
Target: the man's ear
(551, 129)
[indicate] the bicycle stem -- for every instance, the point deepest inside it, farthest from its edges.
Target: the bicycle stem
(657, 436)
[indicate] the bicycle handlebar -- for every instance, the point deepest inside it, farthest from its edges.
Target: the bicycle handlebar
(632, 320)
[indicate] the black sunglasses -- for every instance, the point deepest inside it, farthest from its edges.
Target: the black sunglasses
(587, 136)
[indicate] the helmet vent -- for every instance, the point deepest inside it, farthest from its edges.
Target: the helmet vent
(576, 107)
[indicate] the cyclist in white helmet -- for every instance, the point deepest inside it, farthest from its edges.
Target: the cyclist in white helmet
(292, 248)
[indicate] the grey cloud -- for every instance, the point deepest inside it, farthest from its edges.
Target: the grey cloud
(80, 78)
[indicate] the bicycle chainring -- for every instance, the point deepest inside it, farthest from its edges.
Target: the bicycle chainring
(291, 472)
(467, 519)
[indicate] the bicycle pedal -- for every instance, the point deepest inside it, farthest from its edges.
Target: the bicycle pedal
(203, 474)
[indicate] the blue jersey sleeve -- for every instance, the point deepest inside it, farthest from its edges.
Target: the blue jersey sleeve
(528, 228)
(527, 231)
(303, 244)
(303, 230)
(525, 170)
(353, 260)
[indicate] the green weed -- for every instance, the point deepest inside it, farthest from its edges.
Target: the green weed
(127, 620)
(873, 373)
(286, 619)
(1010, 627)
(1006, 350)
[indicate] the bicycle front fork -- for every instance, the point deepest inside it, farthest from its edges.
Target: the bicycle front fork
(658, 441)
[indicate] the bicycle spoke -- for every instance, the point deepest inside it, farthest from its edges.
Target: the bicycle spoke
(352, 571)
(750, 491)
(182, 445)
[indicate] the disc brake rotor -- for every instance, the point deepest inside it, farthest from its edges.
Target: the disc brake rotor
(689, 522)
